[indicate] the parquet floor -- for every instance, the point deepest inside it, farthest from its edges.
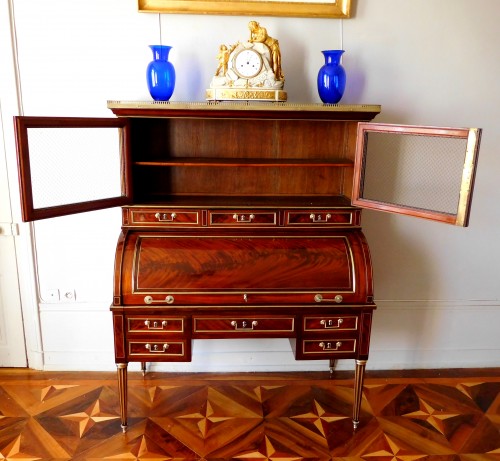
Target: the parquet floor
(250, 417)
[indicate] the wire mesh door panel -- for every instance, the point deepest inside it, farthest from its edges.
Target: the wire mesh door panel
(420, 171)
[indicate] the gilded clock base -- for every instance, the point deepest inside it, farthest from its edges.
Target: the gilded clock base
(245, 94)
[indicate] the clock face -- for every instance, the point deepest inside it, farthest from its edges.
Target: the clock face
(247, 63)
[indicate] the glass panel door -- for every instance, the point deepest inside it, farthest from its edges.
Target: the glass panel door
(71, 165)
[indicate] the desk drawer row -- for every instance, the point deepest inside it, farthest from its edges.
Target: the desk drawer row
(154, 324)
(180, 217)
(168, 338)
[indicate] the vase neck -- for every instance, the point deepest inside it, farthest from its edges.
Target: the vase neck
(332, 56)
(160, 52)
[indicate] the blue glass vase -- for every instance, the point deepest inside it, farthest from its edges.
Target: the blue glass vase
(331, 77)
(160, 74)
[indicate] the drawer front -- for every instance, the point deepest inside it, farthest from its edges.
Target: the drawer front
(158, 350)
(245, 325)
(314, 218)
(330, 322)
(243, 218)
(154, 324)
(326, 348)
(161, 217)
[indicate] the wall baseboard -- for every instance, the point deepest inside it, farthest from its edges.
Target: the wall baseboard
(406, 335)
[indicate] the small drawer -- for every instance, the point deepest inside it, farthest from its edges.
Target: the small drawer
(329, 346)
(331, 322)
(243, 324)
(155, 324)
(319, 218)
(161, 217)
(157, 349)
(243, 218)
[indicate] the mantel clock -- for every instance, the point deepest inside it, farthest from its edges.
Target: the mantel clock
(249, 70)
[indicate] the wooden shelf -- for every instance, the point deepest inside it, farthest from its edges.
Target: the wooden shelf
(247, 162)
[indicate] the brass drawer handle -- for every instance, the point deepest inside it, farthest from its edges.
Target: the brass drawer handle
(319, 298)
(168, 299)
(155, 325)
(166, 217)
(244, 325)
(330, 323)
(330, 346)
(319, 218)
(155, 348)
(243, 217)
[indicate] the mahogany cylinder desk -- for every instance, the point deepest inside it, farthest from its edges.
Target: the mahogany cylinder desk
(243, 229)
(244, 220)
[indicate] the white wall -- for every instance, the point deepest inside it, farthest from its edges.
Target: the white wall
(425, 62)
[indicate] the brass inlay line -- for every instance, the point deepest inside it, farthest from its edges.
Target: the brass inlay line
(153, 329)
(243, 218)
(250, 328)
(323, 344)
(161, 352)
(171, 218)
(326, 325)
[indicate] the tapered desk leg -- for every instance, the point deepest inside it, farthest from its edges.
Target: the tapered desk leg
(143, 368)
(358, 391)
(122, 390)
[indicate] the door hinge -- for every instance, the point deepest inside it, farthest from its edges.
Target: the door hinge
(8, 229)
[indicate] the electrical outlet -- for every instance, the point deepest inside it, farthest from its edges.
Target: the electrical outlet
(50, 295)
(68, 295)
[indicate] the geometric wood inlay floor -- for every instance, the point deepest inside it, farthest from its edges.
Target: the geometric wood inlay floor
(249, 417)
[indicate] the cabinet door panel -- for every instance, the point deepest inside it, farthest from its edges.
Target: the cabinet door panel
(71, 165)
(426, 172)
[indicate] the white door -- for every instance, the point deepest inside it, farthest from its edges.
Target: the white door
(12, 343)
(12, 337)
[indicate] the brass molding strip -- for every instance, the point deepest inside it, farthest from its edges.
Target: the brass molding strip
(240, 105)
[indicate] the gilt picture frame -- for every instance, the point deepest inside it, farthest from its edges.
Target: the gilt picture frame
(303, 8)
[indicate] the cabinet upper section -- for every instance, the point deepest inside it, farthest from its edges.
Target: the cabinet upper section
(163, 152)
(257, 151)
(256, 154)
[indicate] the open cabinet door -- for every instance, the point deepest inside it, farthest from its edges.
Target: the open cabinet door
(426, 172)
(72, 165)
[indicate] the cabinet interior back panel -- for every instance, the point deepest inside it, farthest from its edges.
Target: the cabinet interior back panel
(165, 138)
(150, 184)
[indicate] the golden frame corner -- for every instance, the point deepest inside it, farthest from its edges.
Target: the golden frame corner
(314, 9)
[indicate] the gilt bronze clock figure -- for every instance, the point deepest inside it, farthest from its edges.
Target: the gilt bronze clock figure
(249, 70)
